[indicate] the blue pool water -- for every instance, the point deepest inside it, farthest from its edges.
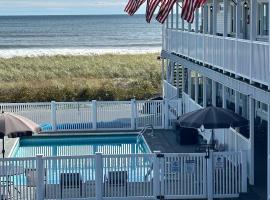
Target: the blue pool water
(80, 145)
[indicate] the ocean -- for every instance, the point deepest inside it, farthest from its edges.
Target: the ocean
(87, 33)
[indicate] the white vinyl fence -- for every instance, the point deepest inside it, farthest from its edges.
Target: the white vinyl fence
(93, 115)
(127, 176)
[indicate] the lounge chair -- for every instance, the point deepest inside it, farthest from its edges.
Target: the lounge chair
(70, 181)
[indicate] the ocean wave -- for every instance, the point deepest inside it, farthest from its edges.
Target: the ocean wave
(10, 53)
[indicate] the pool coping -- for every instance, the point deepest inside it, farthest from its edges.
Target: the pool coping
(17, 142)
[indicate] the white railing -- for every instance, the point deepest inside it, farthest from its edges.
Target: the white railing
(189, 104)
(170, 90)
(236, 142)
(93, 115)
(241, 57)
(127, 176)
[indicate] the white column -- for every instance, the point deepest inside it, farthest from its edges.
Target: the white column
(183, 79)
(225, 30)
(172, 19)
(236, 101)
(224, 96)
(237, 31)
(168, 70)
(204, 92)
(177, 81)
(251, 139)
(189, 82)
(162, 77)
(172, 64)
(177, 15)
(214, 93)
(253, 32)
(196, 88)
(215, 7)
(204, 14)
(196, 20)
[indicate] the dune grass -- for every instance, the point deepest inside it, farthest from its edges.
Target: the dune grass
(78, 78)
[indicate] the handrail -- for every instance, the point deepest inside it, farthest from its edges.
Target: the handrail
(143, 131)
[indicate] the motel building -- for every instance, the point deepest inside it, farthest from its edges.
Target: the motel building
(222, 59)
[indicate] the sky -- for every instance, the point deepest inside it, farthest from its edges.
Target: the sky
(62, 7)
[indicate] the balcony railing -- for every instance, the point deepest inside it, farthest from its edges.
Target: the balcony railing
(241, 57)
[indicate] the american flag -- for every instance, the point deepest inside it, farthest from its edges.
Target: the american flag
(150, 9)
(133, 5)
(164, 11)
(189, 8)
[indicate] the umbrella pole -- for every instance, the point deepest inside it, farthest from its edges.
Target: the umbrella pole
(3, 147)
(212, 138)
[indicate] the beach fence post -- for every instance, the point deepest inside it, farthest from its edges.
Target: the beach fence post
(94, 114)
(40, 177)
(98, 176)
(210, 169)
(53, 115)
(133, 114)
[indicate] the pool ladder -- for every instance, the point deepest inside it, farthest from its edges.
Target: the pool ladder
(144, 130)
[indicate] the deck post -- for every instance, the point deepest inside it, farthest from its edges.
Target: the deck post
(209, 179)
(189, 82)
(53, 115)
(251, 140)
(133, 114)
(166, 113)
(196, 88)
(40, 178)
(204, 92)
(224, 97)
(244, 171)
(156, 175)
(214, 92)
(99, 176)
(94, 114)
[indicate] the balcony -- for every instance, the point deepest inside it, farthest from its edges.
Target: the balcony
(244, 58)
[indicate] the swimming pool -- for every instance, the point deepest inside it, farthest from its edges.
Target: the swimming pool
(67, 145)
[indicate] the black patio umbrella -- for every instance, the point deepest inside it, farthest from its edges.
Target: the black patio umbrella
(212, 118)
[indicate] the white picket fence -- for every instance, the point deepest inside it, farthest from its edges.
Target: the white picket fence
(93, 115)
(126, 176)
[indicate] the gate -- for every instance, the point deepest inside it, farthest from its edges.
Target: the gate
(197, 176)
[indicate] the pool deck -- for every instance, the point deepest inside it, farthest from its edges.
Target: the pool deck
(166, 142)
